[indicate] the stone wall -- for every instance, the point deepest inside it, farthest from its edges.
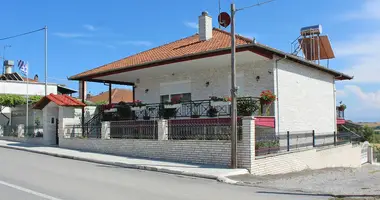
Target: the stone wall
(192, 151)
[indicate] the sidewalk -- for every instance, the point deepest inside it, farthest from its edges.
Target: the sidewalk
(200, 171)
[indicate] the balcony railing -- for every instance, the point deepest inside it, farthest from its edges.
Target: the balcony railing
(247, 106)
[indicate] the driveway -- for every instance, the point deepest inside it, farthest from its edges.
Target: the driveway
(337, 181)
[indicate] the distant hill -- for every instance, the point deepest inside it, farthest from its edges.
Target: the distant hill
(375, 125)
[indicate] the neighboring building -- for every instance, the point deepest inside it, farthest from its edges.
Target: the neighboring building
(14, 83)
(117, 95)
(198, 67)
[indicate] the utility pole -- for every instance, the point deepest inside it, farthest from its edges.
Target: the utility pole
(234, 89)
(233, 92)
(46, 92)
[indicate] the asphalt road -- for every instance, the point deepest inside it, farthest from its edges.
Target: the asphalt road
(25, 175)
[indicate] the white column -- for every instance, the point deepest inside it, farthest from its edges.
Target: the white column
(106, 130)
(1, 130)
(370, 155)
(162, 129)
(246, 146)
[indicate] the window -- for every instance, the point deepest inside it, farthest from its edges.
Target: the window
(168, 97)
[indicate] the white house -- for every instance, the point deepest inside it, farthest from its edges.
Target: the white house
(198, 67)
(14, 83)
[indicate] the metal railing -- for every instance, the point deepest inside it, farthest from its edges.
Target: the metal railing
(202, 129)
(186, 109)
(134, 129)
(270, 143)
(79, 131)
(10, 131)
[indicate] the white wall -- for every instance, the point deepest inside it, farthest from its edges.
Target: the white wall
(16, 87)
(19, 116)
(218, 78)
(340, 156)
(306, 99)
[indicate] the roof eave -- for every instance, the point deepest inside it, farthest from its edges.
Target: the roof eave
(76, 77)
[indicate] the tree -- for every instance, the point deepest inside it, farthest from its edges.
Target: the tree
(368, 133)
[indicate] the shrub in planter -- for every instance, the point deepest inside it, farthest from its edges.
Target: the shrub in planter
(342, 107)
(195, 114)
(169, 113)
(212, 112)
(246, 107)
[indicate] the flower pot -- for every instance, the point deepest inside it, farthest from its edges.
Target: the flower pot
(146, 117)
(172, 105)
(220, 103)
(137, 108)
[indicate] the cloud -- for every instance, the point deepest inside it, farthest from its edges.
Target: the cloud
(70, 35)
(191, 24)
(89, 27)
(136, 43)
(368, 10)
(96, 43)
(361, 52)
(341, 93)
(367, 99)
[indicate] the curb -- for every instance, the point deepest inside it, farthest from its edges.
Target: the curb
(222, 179)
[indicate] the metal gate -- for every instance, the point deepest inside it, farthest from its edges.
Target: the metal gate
(364, 153)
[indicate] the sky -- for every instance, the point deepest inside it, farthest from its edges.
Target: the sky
(86, 34)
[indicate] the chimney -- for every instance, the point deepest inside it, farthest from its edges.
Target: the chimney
(35, 78)
(82, 89)
(88, 96)
(8, 65)
(205, 26)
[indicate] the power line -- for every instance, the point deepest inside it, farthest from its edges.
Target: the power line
(22, 34)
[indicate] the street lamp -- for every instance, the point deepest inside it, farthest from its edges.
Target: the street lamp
(5, 46)
(233, 83)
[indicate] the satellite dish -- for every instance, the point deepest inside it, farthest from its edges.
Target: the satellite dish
(224, 19)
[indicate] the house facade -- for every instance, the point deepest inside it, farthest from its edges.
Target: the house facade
(14, 84)
(198, 67)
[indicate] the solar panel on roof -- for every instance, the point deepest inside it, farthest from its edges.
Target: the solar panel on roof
(316, 48)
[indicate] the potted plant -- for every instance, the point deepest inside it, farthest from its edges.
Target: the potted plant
(266, 99)
(195, 113)
(212, 112)
(246, 106)
(175, 102)
(220, 101)
(342, 107)
(138, 105)
(146, 117)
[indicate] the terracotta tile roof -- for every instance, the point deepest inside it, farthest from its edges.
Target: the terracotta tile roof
(60, 100)
(117, 95)
(186, 46)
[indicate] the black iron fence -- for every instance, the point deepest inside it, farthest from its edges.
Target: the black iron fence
(270, 143)
(79, 131)
(132, 129)
(202, 129)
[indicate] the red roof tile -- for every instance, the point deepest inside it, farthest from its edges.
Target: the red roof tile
(117, 95)
(60, 100)
(187, 46)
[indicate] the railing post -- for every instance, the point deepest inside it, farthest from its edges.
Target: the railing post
(313, 138)
(334, 138)
(288, 140)
(162, 129)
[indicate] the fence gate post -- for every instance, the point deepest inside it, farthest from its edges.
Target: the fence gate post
(246, 146)
(162, 129)
(313, 138)
(106, 130)
(288, 140)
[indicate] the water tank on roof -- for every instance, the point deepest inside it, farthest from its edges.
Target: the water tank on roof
(310, 30)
